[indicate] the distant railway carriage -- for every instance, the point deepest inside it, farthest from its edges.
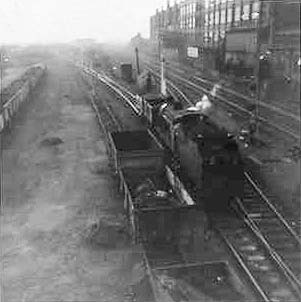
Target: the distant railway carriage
(207, 155)
(126, 71)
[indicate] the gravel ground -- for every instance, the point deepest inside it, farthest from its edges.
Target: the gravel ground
(62, 235)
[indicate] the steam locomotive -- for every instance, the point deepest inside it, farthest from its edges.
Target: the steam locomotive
(206, 154)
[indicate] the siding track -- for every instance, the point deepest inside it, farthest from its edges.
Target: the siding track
(265, 246)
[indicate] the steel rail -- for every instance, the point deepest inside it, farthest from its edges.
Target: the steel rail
(272, 207)
(281, 261)
(183, 96)
(286, 271)
(233, 104)
(244, 267)
(292, 279)
(252, 100)
(240, 95)
(120, 91)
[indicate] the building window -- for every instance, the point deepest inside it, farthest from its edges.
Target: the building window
(211, 19)
(223, 16)
(237, 14)
(206, 20)
(255, 10)
(215, 39)
(229, 15)
(222, 34)
(246, 12)
(193, 8)
(216, 22)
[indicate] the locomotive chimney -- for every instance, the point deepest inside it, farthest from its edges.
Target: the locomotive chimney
(137, 60)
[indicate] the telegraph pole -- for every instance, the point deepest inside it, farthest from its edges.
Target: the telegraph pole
(1, 149)
(137, 60)
(162, 60)
(258, 80)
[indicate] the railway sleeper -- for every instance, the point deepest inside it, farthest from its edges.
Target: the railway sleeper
(287, 248)
(253, 201)
(292, 256)
(269, 228)
(280, 237)
(267, 215)
(256, 211)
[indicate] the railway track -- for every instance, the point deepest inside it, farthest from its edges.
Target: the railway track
(280, 108)
(283, 121)
(108, 122)
(242, 95)
(275, 229)
(265, 246)
(105, 116)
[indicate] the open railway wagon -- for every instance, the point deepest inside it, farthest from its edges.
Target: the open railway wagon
(167, 223)
(148, 185)
(125, 72)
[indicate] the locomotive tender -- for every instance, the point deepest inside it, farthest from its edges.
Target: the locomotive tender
(208, 157)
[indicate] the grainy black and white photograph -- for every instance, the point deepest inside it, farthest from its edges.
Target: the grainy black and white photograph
(150, 151)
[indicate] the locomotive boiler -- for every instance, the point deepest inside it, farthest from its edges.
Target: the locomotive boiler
(208, 157)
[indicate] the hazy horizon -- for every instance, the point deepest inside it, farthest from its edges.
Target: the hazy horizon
(60, 21)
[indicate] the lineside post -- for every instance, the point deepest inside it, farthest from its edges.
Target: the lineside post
(258, 80)
(1, 154)
(162, 60)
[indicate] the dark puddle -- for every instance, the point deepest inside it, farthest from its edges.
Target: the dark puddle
(51, 141)
(108, 235)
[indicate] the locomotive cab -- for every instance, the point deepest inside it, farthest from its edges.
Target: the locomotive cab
(151, 105)
(222, 173)
(210, 158)
(207, 156)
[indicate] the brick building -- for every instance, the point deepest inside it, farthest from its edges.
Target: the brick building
(230, 33)
(179, 26)
(284, 38)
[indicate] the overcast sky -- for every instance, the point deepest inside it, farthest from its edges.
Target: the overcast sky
(28, 21)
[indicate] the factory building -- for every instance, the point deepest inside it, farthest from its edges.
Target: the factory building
(230, 35)
(179, 27)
